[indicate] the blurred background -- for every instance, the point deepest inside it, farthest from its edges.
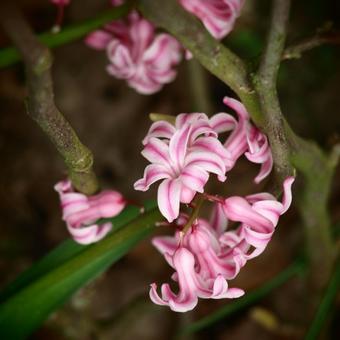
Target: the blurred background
(111, 119)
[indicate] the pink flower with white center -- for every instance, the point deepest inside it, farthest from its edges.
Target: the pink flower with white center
(244, 139)
(191, 285)
(146, 60)
(80, 212)
(258, 215)
(183, 163)
(218, 16)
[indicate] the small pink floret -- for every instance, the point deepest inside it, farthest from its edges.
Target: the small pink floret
(218, 16)
(80, 212)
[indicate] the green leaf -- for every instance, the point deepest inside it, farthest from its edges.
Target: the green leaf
(324, 311)
(52, 281)
(10, 55)
(63, 252)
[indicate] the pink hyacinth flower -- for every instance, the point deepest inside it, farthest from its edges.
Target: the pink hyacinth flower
(146, 60)
(80, 212)
(258, 215)
(191, 285)
(218, 16)
(183, 163)
(246, 139)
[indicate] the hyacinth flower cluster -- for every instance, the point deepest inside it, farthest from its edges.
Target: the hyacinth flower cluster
(144, 58)
(81, 212)
(206, 254)
(147, 60)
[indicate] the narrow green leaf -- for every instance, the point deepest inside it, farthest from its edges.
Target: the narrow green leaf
(325, 307)
(62, 253)
(10, 55)
(25, 310)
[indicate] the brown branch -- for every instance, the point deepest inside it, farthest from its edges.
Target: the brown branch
(40, 102)
(265, 84)
(308, 158)
(295, 51)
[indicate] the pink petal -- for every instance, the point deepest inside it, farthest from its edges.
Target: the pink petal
(157, 151)
(155, 298)
(142, 33)
(218, 219)
(218, 16)
(222, 122)
(237, 106)
(178, 146)
(165, 244)
(187, 194)
(213, 145)
(194, 178)
(90, 234)
(238, 209)
(184, 118)
(208, 162)
(168, 198)
(287, 193)
(160, 129)
(98, 39)
(265, 170)
(163, 53)
(152, 174)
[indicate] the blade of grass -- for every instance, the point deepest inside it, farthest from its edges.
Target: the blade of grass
(325, 307)
(246, 301)
(10, 55)
(24, 311)
(65, 251)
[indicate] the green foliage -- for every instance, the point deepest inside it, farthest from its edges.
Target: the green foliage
(10, 55)
(29, 300)
(325, 307)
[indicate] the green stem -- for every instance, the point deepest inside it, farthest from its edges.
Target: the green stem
(198, 201)
(10, 55)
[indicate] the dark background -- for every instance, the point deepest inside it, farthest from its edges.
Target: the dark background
(112, 119)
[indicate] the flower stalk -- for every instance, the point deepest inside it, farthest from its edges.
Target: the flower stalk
(197, 203)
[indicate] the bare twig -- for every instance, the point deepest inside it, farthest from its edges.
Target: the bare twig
(265, 83)
(308, 158)
(40, 103)
(295, 51)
